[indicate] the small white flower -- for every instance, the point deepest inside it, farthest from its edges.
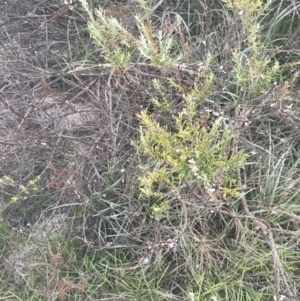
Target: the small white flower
(171, 245)
(281, 298)
(191, 296)
(194, 169)
(191, 161)
(144, 260)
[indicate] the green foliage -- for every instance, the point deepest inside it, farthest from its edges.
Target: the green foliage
(254, 71)
(7, 180)
(156, 47)
(185, 153)
(249, 11)
(158, 210)
(118, 45)
(171, 220)
(108, 33)
(22, 190)
(160, 103)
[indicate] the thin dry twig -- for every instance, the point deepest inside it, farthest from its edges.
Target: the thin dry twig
(55, 15)
(153, 9)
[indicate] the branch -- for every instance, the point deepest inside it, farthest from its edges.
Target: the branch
(266, 229)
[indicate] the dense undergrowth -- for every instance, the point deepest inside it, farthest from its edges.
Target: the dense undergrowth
(150, 151)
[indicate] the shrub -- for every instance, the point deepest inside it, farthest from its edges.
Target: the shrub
(173, 155)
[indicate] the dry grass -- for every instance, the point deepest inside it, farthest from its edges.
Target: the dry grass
(69, 118)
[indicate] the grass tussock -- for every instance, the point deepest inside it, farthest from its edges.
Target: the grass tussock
(149, 151)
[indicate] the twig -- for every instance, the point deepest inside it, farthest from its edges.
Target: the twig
(31, 13)
(153, 9)
(25, 117)
(177, 66)
(266, 229)
(54, 16)
(294, 216)
(9, 142)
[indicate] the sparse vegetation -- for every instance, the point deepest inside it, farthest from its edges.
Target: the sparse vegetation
(150, 150)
